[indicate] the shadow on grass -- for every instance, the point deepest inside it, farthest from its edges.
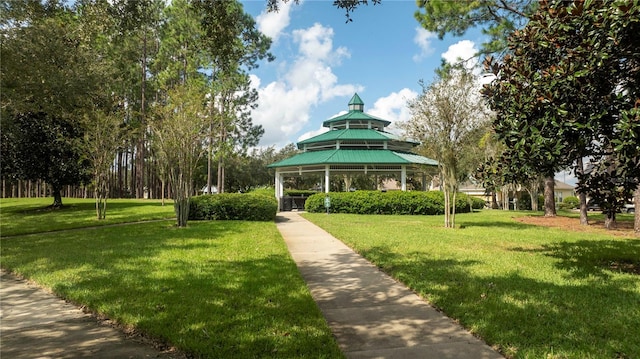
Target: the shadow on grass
(29, 217)
(523, 316)
(75, 206)
(215, 289)
(599, 258)
(512, 225)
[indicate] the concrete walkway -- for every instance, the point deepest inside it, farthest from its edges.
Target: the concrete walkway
(36, 324)
(370, 314)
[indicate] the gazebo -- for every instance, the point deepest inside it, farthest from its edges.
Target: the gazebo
(356, 143)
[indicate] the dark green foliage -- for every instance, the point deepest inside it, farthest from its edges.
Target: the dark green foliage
(233, 206)
(496, 19)
(299, 193)
(571, 202)
(476, 203)
(40, 146)
(395, 202)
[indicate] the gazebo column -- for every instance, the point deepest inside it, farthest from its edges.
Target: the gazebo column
(279, 185)
(326, 179)
(424, 181)
(403, 178)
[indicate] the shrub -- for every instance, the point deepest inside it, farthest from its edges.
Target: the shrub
(233, 206)
(394, 202)
(541, 202)
(299, 192)
(265, 191)
(571, 202)
(524, 202)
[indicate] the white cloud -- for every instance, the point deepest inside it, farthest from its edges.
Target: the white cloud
(284, 105)
(273, 23)
(464, 50)
(423, 40)
(310, 134)
(394, 107)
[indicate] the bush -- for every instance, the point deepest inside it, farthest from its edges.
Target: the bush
(571, 202)
(476, 203)
(524, 202)
(394, 202)
(299, 193)
(233, 206)
(265, 191)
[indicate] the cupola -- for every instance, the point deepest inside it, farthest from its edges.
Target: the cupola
(356, 104)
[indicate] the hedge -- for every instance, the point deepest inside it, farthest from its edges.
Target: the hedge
(299, 192)
(394, 202)
(233, 206)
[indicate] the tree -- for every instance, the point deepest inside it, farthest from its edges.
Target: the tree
(49, 83)
(102, 139)
(449, 118)
(234, 46)
(231, 119)
(138, 22)
(347, 5)
(180, 54)
(41, 146)
(497, 18)
(569, 91)
(178, 134)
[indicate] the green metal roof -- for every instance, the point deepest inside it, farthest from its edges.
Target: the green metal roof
(355, 116)
(356, 100)
(361, 157)
(353, 134)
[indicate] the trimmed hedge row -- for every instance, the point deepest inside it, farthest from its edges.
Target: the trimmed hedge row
(233, 206)
(395, 202)
(299, 193)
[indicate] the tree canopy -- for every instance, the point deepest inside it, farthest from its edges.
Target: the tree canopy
(569, 89)
(449, 118)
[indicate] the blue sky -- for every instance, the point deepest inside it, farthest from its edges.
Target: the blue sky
(321, 61)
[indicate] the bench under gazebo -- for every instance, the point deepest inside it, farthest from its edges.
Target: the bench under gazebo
(356, 143)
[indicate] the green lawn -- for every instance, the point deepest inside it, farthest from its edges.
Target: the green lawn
(32, 215)
(226, 289)
(531, 292)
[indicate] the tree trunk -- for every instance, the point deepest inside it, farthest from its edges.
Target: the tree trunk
(533, 194)
(220, 175)
(636, 202)
(347, 182)
(446, 208)
(549, 199)
(162, 190)
(610, 219)
(143, 122)
(101, 193)
(453, 210)
(584, 219)
(181, 207)
(209, 155)
(57, 197)
(494, 200)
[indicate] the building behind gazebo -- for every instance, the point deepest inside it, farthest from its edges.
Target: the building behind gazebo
(356, 143)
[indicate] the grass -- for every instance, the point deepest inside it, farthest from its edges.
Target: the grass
(529, 291)
(215, 289)
(32, 215)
